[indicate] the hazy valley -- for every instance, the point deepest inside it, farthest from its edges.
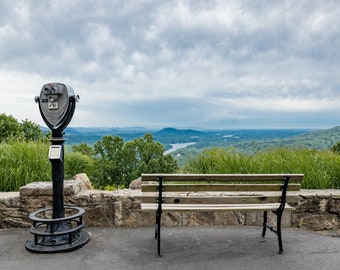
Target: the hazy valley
(243, 140)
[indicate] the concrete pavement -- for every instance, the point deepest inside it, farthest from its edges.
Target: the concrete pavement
(183, 248)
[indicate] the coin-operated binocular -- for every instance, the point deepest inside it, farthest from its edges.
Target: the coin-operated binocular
(59, 228)
(57, 103)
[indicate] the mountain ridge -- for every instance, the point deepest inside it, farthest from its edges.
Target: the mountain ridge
(243, 139)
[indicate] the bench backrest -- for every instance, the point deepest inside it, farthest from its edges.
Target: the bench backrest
(253, 188)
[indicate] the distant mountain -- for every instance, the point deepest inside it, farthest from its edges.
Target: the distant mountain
(317, 139)
(90, 135)
(173, 135)
(104, 130)
(243, 140)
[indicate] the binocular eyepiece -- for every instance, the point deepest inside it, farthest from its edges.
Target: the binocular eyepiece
(57, 105)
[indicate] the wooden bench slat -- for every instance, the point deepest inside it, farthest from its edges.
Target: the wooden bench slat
(217, 187)
(222, 177)
(218, 200)
(214, 207)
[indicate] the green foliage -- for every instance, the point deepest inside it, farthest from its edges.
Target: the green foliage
(23, 153)
(114, 162)
(117, 163)
(22, 163)
(31, 131)
(83, 148)
(11, 129)
(336, 148)
(76, 162)
(110, 164)
(151, 158)
(321, 168)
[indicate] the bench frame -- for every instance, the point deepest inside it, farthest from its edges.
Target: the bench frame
(277, 209)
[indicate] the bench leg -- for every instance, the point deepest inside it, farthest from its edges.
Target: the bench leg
(278, 232)
(158, 233)
(264, 229)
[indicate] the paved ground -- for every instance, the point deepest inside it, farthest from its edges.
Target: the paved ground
(183, 248)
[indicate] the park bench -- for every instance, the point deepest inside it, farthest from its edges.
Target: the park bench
(220, 192)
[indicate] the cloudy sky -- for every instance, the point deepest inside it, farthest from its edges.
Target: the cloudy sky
(208, 64)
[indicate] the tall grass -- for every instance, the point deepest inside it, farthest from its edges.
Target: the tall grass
(76, 162)
(22, 163)
(25, 162)
(321, 168)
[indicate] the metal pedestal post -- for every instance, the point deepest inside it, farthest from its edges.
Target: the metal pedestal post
(52, 231)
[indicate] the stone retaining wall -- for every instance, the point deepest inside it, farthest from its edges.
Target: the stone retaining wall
(315, 210)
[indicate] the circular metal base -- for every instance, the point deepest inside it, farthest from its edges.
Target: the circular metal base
(54, 235)
(81, 241)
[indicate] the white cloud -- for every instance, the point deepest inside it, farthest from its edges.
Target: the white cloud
(199, 62)
(223, 115)
(285, 104)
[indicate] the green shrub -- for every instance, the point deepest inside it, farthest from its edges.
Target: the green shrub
(321, 168)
